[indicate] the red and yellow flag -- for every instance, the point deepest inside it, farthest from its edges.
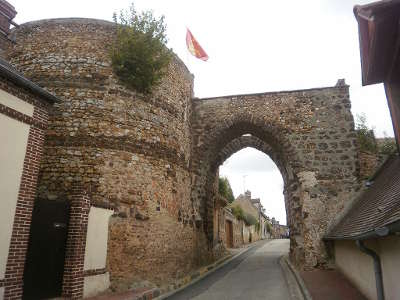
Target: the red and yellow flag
(194, 47)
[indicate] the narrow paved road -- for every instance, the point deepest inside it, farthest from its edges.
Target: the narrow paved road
(253, 275)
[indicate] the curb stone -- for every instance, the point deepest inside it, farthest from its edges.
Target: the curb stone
(203, 272)
(294, 288)
(306, 294)
(137, 294)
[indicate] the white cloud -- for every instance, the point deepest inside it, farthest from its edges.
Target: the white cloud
(250, 160)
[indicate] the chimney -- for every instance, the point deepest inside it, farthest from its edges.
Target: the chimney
(7, 14)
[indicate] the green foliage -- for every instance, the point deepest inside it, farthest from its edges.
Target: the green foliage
(258, 227)
(250, 219)
(387, 146)
(365, 135)
(225, 190)
(139, 56)
(269, 227)
(238, 212)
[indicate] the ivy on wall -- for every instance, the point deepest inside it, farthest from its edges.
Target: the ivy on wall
(224, 189)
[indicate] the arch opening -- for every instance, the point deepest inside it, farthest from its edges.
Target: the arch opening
(235, 138)
(251, 170)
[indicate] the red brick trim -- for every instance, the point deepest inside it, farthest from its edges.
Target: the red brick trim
(13, 280)
(94, 272)
(12, 113)
(73, 280)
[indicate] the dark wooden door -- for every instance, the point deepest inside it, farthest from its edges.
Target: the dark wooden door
(229, 233)
(44, 264)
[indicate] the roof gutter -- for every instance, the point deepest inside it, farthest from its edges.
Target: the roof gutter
(26, 83)
(377, 268)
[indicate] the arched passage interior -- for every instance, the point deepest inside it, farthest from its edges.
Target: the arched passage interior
(238, 136)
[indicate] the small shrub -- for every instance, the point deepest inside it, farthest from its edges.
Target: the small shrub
(258, 227)
(388, 146)
(238, 212)
(269, 227)
(139, 56)
(365, 135)
(225, 190)
(250, 219)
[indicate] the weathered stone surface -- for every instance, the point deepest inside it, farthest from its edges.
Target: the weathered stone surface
(309, 135)
(129, 151)
(154, 158)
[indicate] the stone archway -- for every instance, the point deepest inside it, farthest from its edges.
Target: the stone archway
(310, 136)
(282, 163)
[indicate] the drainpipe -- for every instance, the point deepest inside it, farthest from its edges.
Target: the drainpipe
(377, 268)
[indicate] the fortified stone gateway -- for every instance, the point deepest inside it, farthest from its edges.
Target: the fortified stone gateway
(310, 136)
(154, 159)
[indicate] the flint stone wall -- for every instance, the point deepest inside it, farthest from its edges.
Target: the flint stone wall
(154, 159)
(130, 151)
(310, 136)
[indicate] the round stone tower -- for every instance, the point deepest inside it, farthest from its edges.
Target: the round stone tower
(129, 151)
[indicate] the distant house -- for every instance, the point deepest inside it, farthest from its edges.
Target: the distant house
(254, 208)
(365, 240)
(250, 206)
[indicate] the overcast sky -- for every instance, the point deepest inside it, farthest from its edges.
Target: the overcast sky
(250, 169)
(254, 46)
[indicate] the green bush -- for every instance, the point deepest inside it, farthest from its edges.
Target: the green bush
(238, 212)
(139, 55)
(225, 190)
(388, 146)
(365, 135)
(250, 219)
(258, 227)
(269, 227)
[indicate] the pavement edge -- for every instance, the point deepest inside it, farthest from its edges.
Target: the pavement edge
(294, 288)
(300, 283)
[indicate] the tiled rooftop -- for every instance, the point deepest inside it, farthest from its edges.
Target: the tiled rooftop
(376, 208)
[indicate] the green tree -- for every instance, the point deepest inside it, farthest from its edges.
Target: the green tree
(139, 55)
(365, 135)
(225, 190)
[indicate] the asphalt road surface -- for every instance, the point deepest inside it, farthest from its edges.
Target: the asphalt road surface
(254, 275)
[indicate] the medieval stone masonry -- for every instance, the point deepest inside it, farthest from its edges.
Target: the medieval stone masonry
(310, 136)
(130, 152)
(153, 159)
